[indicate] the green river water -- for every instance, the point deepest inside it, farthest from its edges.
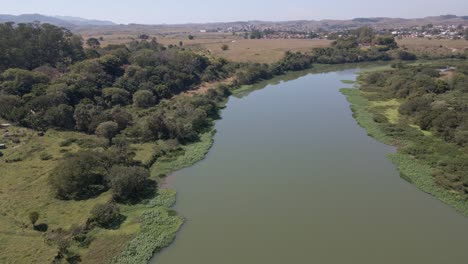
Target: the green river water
(292, 178)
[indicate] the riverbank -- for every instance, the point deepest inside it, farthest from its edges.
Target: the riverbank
(283, 171)
(416, 171)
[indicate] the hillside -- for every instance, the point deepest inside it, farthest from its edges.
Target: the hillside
(62, 21)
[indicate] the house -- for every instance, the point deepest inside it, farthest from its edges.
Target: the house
(2, 146)
(5, 125)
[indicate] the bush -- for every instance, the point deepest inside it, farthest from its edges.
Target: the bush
(131, 184)
(46, 156)
(106, 216)
(67, 142)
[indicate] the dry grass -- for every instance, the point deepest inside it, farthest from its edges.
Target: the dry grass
(240, 49)
(262, 50)
(433, 46)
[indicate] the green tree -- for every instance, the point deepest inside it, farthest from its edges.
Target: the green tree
(79, 177)
(224, 47)
(122, 117)
(106, 215)
(130, 184)
(60, 116)
(88, 116)
(108, 130)
(115, 96)
(191, 37)
(143, 99)
(256, 34)
(20, 82)
(93, 43)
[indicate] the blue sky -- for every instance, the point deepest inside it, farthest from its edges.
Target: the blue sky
(182, 11)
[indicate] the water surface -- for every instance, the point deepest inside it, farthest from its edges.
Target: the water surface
(292, 178)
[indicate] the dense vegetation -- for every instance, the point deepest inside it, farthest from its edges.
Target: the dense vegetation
(117, 97)
(432, 127)
(32, 45)
(125, 94)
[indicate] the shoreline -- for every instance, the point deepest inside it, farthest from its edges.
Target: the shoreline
(414, 171)
(198, 151)
(206, 142)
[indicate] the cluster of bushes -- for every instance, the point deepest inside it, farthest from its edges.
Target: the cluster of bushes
(437, 104)
(87, 174)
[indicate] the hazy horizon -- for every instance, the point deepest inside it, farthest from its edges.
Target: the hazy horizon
(186, 11)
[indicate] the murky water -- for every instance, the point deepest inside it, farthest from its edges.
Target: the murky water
(292, 178)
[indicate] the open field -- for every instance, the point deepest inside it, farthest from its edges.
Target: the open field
(263, 50)
(433, 46)
(240, 49)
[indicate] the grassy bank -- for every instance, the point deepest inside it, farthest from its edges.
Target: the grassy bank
(149, 226)
(419, 172)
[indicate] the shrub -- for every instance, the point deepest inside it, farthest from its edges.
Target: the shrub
(130, 184)
(106, 216)
(33, 217)
(46, 156)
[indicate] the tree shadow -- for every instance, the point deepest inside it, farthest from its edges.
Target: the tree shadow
(41, 227)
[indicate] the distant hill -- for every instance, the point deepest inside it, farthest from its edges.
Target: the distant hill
(85, 22)
(62, 21)
(298, 25)
(95, 27)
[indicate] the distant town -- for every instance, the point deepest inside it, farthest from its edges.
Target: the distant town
(267, 32)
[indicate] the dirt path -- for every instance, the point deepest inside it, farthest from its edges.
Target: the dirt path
(206, 86)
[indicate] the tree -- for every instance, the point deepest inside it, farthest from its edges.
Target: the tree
(108, 130)
(93, 43)
(33, 217)
(30, 45)
(115, 96)
(20, 82)
(143, 99)
(191, 37)
(106, 215)
(79, 177)
(224, 47)
(60, 116)
(256, 34)
(121, 117)
(143, 36)
(88, 117)
(466, 34)
(130, 184)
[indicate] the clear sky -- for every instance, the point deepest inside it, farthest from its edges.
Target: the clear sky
(182, 11)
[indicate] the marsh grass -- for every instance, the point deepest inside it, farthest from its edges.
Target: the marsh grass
(416, 171)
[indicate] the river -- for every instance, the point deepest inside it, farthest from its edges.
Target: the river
(292, 178)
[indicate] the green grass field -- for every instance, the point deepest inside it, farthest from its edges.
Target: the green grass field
(23, 188)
